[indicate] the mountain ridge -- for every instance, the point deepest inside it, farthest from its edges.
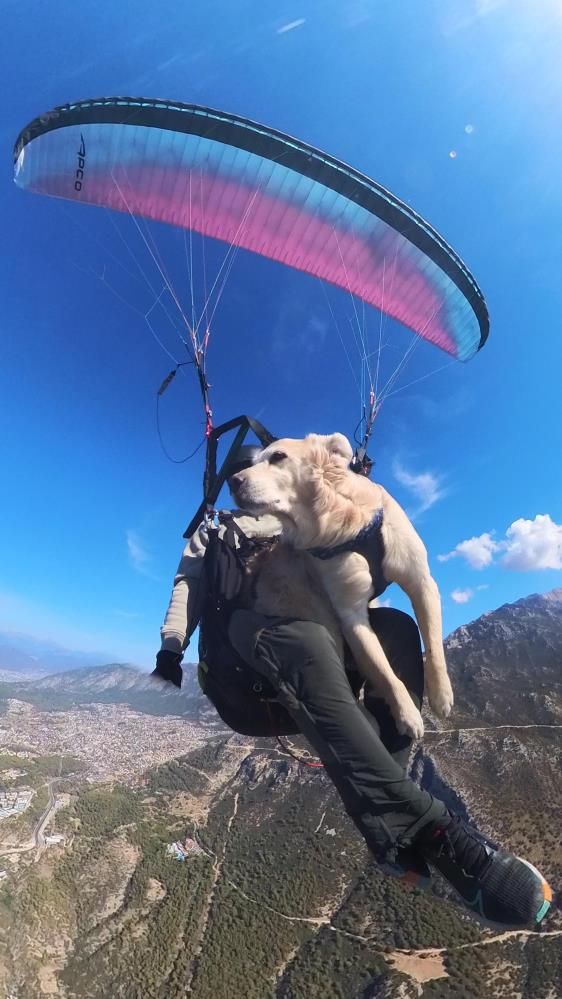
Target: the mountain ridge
(27, 649)
(280, 898)
(20, 652)
(518, 645)
(518, 648)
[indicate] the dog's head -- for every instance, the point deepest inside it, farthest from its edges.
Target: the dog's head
(289, 477)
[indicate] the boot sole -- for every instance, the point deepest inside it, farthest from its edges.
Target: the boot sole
(476, 905)
(546, 890)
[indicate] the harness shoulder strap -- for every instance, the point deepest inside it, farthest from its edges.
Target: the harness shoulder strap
(213, 481)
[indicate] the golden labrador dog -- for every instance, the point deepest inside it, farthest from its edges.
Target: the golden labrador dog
(329, 511)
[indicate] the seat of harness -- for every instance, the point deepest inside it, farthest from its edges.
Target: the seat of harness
(368, 543)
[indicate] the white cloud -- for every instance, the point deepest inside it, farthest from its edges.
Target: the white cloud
(291, 26)
(462, 596)
(357, 13)
(478, 552)
(425, 486)
(484, 7)
(529, 545)
(296, 334)
(533, 544)
(456, 404)
(377, 602)
(138, 556)
(460, 17)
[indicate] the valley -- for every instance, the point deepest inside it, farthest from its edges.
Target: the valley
(279, 898)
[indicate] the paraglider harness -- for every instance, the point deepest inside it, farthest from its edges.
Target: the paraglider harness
(243, 698)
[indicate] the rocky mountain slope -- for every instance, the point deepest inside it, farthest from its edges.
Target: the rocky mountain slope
(280, 900)
(111, 684)
(517, 647)
(510, 662)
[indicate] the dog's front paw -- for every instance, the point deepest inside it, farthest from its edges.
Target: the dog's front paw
(408, 719)
(440, 696)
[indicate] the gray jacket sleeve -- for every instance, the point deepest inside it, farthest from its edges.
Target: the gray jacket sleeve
(184, 609)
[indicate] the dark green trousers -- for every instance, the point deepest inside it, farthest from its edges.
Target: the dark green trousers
(362, 752)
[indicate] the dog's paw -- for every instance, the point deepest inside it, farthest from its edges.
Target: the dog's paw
(441, 698)
(408, 719)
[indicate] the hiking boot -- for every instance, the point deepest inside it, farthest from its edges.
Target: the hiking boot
(499, 886)
(409, 868)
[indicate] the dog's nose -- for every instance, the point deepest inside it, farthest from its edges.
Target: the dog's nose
(234, 480)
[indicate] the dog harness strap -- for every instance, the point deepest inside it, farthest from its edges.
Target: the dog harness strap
(354, 544)
(232, 530)
(367, 543)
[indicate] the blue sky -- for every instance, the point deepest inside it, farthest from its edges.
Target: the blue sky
(455, 107)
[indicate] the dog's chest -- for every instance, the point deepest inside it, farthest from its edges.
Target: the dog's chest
(283, 585)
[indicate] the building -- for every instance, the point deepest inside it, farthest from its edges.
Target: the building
(53, 839)
(182, 850)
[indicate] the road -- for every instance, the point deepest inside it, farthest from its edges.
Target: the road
(38, 836)
(37, 839)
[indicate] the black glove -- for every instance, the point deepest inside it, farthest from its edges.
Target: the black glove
(168, 667)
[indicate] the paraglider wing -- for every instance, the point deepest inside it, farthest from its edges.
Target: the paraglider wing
(256, 188)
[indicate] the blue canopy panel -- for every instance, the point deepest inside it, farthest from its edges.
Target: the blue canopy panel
(251, 186)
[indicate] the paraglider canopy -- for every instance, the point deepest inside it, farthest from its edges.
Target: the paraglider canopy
(256, 188)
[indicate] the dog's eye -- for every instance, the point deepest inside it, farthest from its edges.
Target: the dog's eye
(276, 457)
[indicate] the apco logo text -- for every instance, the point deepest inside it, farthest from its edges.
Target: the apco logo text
(79, 175)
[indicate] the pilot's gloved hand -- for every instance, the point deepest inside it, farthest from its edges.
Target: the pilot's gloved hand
(168, 667)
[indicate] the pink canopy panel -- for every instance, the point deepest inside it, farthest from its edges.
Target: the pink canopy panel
(263, 191)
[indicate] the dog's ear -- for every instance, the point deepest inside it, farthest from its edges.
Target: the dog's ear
(338, 447)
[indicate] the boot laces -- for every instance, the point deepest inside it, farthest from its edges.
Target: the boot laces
(462, 845)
